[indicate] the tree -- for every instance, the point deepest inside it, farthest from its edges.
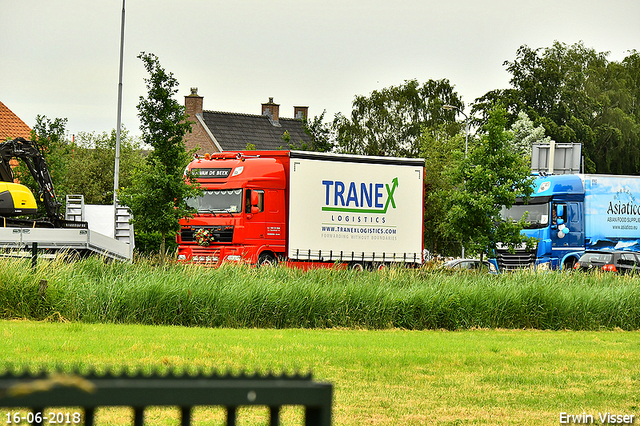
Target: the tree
(49, 132)
(91, 165)
(492, 176)
(390, 121)
(321, 135)
(82, 166)
(578, 96)
(525, 135)
(438, 149)
(157, 196)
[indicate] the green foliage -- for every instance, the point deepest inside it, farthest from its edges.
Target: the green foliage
(492, 176)
(389, 122)
(47, 132)
(438, 149)
(159, 190)
(91, 165)
(321, 135)
(525, 135)
(163, 120)
(84, 166)
(578, 95)
(148, 243)
(286, 137)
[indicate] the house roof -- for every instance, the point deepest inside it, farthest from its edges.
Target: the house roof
(11, 126)
(233, 131)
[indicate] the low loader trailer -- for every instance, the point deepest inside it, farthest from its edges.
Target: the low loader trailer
(69, 243)
(21, 231)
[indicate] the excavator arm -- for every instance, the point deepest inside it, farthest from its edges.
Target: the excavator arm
(30, 153)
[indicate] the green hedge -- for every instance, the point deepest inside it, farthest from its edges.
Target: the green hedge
(233, 296)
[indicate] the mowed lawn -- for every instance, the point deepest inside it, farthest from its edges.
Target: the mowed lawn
(388, 377)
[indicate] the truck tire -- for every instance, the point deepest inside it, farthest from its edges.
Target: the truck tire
(356, 266)
(267, 259)
(569, 264)
(380, 267)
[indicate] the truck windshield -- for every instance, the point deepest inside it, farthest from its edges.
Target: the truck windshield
(537, 217)
(217, 201)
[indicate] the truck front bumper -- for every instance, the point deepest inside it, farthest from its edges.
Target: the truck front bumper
(212, 255)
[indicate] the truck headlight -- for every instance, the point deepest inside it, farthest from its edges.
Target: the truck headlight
(182, 257)
(234, 257)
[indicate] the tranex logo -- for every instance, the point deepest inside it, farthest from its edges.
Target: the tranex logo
(352, 197)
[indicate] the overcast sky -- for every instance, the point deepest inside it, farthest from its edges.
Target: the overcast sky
(60, 58)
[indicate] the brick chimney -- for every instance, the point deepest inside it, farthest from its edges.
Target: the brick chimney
(199, 137)
(271, 110)
(193, 103)
(300, 112)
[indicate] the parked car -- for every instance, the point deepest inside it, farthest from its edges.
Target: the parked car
(469, 265)
(622, 262)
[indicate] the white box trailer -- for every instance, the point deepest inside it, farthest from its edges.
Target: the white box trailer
(355, 208)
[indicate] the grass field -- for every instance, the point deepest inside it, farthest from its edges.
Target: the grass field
(378, 337)
(383, 377)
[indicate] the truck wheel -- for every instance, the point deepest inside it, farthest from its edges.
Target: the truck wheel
(267, 259)
(381, 266)
(356, 266)
(569, 264)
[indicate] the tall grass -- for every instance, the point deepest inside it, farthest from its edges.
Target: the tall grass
(235, 296)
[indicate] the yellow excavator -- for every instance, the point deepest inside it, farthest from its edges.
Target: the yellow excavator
(17, 201)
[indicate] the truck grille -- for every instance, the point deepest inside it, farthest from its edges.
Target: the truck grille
(222, 233)
(518, 260)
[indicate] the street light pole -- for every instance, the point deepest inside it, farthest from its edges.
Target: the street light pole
(466, 136)
(116, 171)
(116, 168)
(466, 127)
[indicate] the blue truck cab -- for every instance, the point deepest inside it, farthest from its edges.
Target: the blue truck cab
(568, 214)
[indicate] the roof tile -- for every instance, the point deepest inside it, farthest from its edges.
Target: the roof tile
(234, 131)
(11, 126)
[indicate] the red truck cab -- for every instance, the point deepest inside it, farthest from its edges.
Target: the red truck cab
(241, 216)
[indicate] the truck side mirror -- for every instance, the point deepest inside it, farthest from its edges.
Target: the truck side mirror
(559, 210)
(257, 201)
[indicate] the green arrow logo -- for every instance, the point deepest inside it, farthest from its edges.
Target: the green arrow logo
(390, 193)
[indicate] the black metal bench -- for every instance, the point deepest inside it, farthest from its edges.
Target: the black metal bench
(38, 391)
